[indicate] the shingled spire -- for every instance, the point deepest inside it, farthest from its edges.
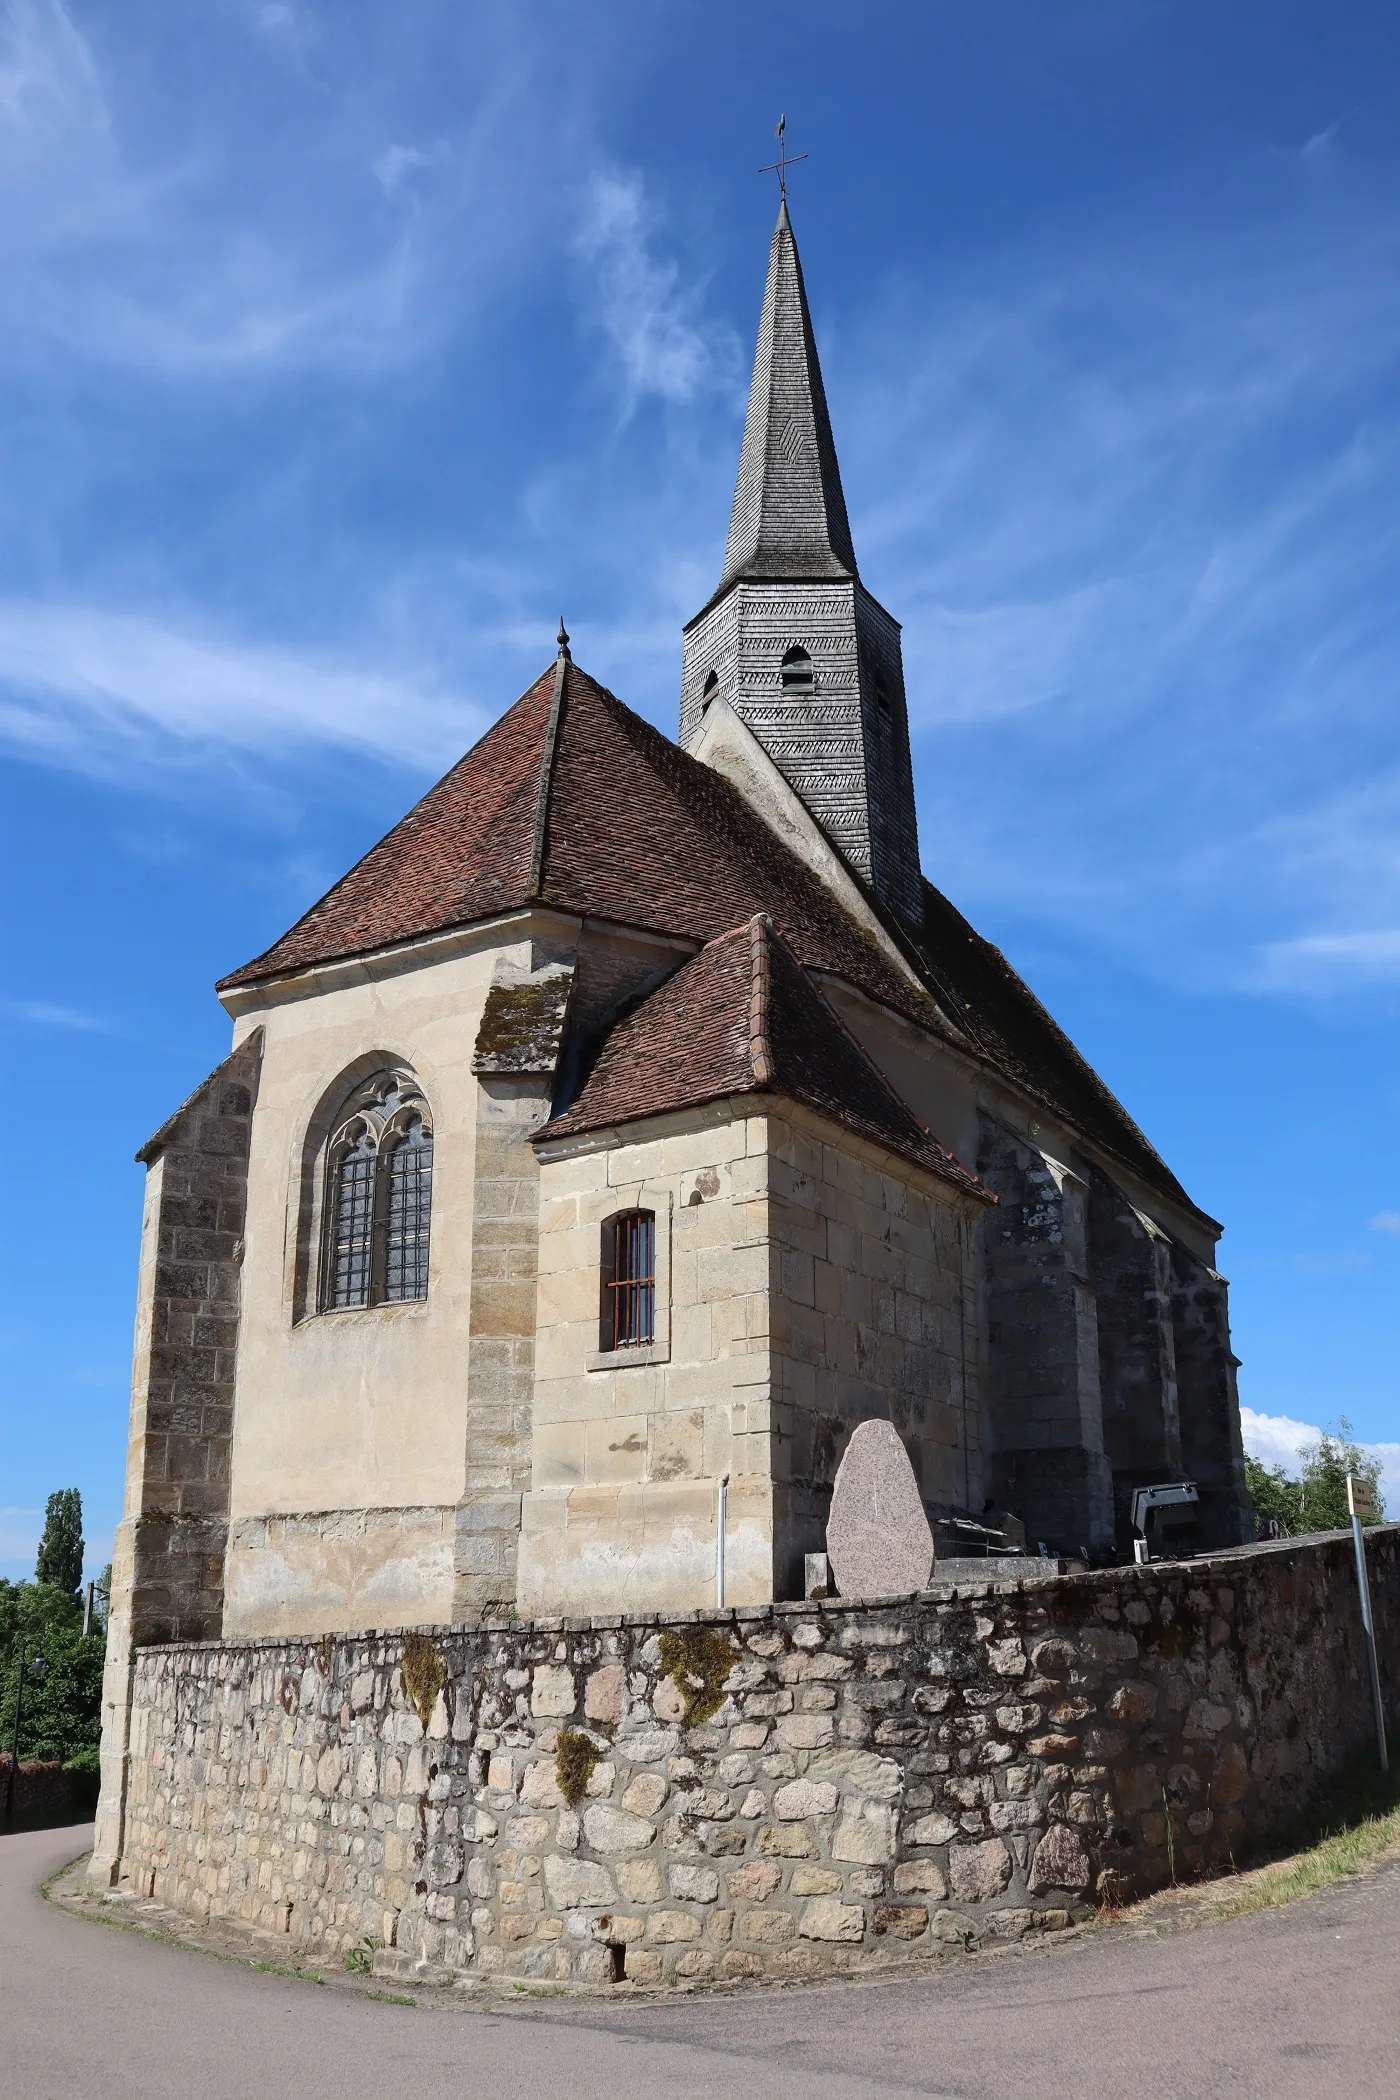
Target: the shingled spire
(791, 639)
(789, 516)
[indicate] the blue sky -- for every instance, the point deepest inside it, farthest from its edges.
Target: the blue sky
(343, 347)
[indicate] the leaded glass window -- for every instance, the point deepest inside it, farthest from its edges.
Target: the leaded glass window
(410, 1201)
(353, 1233)
(378, 1200)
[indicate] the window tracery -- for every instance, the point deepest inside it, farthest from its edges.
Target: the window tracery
(379, 1188)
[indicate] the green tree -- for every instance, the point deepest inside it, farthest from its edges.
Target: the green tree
(62, 1709)
(1317, 1499)
(1324, 1483)
(60, 1561)
(1277, 1498)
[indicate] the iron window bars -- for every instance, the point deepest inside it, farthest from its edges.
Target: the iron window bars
(629, 1280)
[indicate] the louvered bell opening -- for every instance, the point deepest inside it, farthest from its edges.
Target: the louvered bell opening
(795, 672)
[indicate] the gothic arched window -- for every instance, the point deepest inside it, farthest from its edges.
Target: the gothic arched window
(708, 690)
(795, 671)
(379, 1192)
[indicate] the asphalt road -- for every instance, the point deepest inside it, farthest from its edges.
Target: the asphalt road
(1304, 2001)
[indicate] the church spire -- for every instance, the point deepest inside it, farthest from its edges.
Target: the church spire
(789, 517)
(792, 641)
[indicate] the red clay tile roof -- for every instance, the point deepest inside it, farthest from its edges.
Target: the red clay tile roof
(588, 808)
(744, 1018)
(634, 830)
(977, 987)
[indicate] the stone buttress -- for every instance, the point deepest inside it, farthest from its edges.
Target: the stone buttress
(168, 1554)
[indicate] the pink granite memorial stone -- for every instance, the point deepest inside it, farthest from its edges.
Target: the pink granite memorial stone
(877, 1536)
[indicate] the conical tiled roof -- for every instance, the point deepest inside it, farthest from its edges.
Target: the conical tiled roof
(744, 1018)
(789, 517)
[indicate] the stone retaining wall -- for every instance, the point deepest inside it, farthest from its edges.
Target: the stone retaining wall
(778, 1791)
(42, 1787)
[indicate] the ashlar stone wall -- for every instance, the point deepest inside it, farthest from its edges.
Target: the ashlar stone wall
(775, 1792)
(805, 1282)
(629, 1445)
(875, 1278)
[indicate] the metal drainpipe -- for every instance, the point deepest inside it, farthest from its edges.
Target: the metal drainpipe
(719, 1539)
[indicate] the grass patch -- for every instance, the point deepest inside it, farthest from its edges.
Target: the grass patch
(387, 1997)
(284, 1968)
(1348, 1828)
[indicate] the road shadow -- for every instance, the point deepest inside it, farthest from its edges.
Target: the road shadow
(69, 1816)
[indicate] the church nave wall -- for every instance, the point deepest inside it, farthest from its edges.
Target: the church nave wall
(629, 1447)
(876, 1280)
(350, 1426)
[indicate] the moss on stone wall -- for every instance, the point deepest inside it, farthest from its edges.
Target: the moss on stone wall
(698, 1659)
(424, 1674)
(575, 1755)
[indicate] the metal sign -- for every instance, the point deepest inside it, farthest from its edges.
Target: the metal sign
(1361, 1503)
(1360, 1500)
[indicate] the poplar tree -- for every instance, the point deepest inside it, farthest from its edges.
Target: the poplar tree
(60, 1561)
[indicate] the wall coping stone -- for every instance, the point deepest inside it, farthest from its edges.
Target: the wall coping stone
(1131, 1576)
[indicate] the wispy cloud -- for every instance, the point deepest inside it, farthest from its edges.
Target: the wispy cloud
(71, 674)
(1133, 500)
(1319, 962)
(1386, 1221)
(1280, 1441)
(650, 314)
(38, 1013)
(164, 248)
(396, 166)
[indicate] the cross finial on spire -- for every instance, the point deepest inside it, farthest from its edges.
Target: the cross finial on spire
(785, 160)
(563, 640)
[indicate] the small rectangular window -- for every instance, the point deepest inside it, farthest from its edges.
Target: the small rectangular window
(629, 1280)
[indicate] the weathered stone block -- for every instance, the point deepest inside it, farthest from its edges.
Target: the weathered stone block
(932, 1830)
(1059, 1862)
(867, 1832)
(693, 1884)
(814, 1881)
(553, 1693)
(755, 1880)
(978, 1873)
(826, 1919)
(570, 1882)
(610, 1830)
(639, 1880)
(645, 1795)
(804, 1797)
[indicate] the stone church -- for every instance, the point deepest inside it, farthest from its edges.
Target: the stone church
(632, 1122)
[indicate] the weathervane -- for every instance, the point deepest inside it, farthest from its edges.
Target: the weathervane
(785, 160)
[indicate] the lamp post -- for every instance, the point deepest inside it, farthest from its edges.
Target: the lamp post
(36, 1669)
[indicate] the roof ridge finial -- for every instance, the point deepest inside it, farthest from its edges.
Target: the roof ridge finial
(780, 166)
(563, 640)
